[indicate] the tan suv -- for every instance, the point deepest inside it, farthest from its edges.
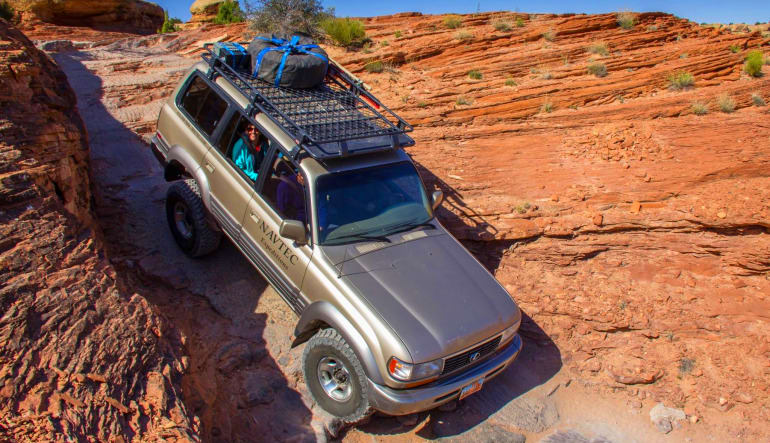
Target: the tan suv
(313, 187)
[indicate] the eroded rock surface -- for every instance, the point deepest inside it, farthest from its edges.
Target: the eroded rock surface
(118, 15)
(82, 355)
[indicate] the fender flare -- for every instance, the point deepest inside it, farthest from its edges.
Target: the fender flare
(322, 312)
(178, 154)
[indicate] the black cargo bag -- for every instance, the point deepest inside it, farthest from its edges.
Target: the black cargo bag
(233, 54)
(294, 63)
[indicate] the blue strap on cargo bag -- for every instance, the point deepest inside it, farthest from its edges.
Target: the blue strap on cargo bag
(287, 47)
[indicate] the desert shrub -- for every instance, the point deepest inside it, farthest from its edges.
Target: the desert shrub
(626, 19)
(464, 36)
(384, 43)
(228, 12)
(549, 35)
(422, 104)
(510, 82)
(684, 55)
(375, 67)
(545, 74)
(7, 12)
(734, 48)
(503, 26)
(597, 69)
(726, 103)
(287, 16)
(343, 31)
(599, 48)
(700, 108)
(463, 101)
(546, 107)
(397, 34)
(475, 74)
(169, 25)
(680, 80)
(754, 62)
(452, 21)
(519, 22)
(652, 28)
(757, 99)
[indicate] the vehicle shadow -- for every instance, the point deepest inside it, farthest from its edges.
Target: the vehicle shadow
(220, 337)
(538, 362)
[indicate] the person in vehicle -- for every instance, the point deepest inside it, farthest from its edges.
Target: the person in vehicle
(290, 196)
(249, 151)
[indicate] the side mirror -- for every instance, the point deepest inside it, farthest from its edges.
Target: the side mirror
(293, 230)
(438, 197)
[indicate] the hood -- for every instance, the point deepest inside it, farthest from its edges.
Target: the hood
(435, 296)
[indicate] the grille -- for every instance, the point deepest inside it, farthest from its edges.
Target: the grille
(461, 360)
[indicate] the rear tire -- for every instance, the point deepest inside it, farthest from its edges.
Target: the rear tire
(186, 217)
(335, 377)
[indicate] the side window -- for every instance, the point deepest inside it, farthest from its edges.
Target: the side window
(203, 104)
(244, 145)
(285, 189)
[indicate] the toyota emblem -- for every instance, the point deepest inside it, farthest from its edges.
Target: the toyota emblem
(475, 356)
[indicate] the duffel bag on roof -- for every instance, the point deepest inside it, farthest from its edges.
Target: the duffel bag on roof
(294, 63)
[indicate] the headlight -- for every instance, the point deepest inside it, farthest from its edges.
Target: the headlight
(508, 334)
(411, 372)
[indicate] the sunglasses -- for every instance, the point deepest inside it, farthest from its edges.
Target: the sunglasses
(251, 129)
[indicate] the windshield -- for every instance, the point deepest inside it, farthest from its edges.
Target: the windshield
(361, 204)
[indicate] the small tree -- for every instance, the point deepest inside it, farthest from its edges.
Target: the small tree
(344, 31)
(287, 16)
(754, 62)
(169, 25)
(228, 12)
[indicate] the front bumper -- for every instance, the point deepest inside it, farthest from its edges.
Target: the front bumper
(408, 401)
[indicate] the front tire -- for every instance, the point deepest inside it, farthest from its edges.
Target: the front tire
(186, 217)
(335, 377)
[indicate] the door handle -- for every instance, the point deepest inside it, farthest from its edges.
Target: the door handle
(209, 167)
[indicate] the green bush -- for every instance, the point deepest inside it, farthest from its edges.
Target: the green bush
(549, 35)
(169, 25)
(475, 74)
(228, 12)
(6, 11)
(510, 82)
(503, 26)
(462, 101)
(726, 103)
(464, 36)
(375, 67)
(699, 108)
(754, 62)
(547, 107)
(626, 20)
(519, 22)
(600, 48)
(757, 99)
(652, 28)
(343, 31)
(288, 16)
(597, 69)
(384, 43)
(452, 22)
(397, 34)
(734, 48)
(680, 80)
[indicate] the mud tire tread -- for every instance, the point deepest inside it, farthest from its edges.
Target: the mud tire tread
(205, 239)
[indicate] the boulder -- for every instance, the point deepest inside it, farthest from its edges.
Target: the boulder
(116, 15)
(204, 11)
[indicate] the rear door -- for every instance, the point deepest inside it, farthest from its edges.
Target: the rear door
(231, 187)
(281, 196)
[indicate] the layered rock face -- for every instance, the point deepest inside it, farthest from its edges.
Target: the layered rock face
(82, 355)
(632, 230)
(203, 11)
(118, 15)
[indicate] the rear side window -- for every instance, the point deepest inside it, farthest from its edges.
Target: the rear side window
(203, 105)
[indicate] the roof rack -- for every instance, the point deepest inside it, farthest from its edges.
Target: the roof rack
(338, 118)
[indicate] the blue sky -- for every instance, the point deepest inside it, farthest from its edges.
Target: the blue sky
(724, 11)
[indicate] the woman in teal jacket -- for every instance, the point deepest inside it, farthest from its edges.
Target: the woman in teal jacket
(249, 150)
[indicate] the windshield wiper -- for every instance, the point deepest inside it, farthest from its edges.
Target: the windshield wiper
(410, 226)
(365, 237)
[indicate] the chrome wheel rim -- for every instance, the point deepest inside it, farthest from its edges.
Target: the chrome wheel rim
(335, 379)
(182, 220)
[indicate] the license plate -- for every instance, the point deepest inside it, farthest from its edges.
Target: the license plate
(471, 388)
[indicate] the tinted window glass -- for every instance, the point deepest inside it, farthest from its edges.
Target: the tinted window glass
(204, 105)
(376, 201)
(284, 190)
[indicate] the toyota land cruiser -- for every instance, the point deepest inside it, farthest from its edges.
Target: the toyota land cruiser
(314, 189)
